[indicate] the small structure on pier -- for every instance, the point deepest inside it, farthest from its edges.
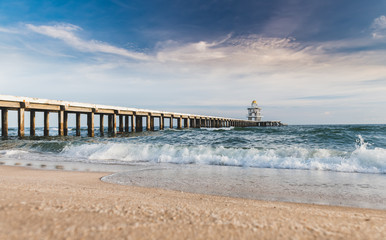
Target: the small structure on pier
(254, 113)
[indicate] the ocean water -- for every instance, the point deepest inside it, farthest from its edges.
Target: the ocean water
(325, 164)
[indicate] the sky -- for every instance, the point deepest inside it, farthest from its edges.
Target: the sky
(304, 61)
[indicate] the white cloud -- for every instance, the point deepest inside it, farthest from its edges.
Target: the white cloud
(379, 27)
(380, 22)
(7, 30)
(66, 33)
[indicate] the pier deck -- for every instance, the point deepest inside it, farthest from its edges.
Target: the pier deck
(123, 115)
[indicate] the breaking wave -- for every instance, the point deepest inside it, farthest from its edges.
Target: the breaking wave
(362, 159)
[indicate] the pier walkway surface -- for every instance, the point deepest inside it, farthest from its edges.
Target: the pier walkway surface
(125, 117)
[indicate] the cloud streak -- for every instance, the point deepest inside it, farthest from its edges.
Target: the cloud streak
(66, 33)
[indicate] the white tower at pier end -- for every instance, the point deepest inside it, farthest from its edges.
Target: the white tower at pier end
(254, 112)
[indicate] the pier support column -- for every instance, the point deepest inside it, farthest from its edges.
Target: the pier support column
(138, 123)
(20, 117)
(127, 123)
(161, 122)
(151, 123)
(65, 124)
(179, 122)
(101, 124)
(148, 122)
(4, 122)
(120, 123)
(133, 123)
(90, 124)
(186, 124)
(114, 123)
(46, 123)
(110, 123)
(61, 123)
(77, 124)
(32, 118)
(171, 122)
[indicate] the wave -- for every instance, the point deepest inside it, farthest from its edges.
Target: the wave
(362, 159)
(218, 129)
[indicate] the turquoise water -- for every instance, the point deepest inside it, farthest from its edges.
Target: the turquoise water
(341, 148)
(346, 159)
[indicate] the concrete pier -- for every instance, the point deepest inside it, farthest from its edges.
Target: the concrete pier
(126, 117)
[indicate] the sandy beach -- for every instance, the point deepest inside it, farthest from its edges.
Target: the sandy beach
(41, 204)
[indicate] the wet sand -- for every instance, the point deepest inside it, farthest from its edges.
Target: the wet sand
(39, 204)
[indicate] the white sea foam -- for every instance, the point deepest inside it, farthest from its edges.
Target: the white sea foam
(218, 129)
(361, 159)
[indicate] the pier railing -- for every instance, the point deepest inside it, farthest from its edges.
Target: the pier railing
(122, 115)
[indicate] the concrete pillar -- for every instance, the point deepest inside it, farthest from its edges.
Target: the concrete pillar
(127, 123)
(114, 123)
(133, 123)
(148, 123)
(46, 123)
(110, 123)
(138, 123)
(186, 122)
(161, 122)
(20, 117)
(151, 123)
(90, 124)
(121, 123)
(32, 121)
(4, 122)
(65, 124)
(101, 124)
(179, 122)
(171, 122)
(61, 123)
(77, 124)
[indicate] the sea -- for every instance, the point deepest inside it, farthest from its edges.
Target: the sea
(343, 165)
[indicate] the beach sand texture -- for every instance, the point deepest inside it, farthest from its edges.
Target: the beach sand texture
(38, 204)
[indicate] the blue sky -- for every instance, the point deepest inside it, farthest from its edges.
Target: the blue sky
(303, 61)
